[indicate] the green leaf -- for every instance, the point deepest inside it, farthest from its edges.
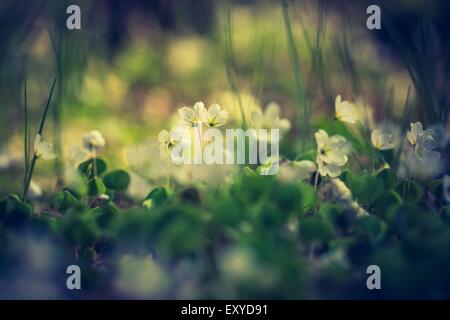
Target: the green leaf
(86, 168)
(388, 178)
(371, 227)
(13, 212)
(315, 228)
(287, 196)
(117, 180)
(409, 190)
(63, 201)
(309, 155)
(95, 187)
(156, 197)
(365, 188)
(385, 201)
(248, 172)
(104, 215)
(437, 189)
(78, 227)
(307, 195)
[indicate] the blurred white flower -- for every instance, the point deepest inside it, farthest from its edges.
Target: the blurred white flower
(270, 119)
(241, 265)
(296, 170)
(9, 160)
(446, 187)
(305, 168)
(103, 196)
(441, 136)
(214, 116)
(331, 153)
(269, 166)
(424, 165)
(191, 117)
(144, 161)
(422, 161)
(382, 140)
(77, 154)
(141, 277)
(345, 111)
(43, 149)
(336, 191)
(421, 139)
(93, 141)
(35, 190)
(365, 114)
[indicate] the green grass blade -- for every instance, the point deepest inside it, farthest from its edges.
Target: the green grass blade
(44, 115)
(300, 94)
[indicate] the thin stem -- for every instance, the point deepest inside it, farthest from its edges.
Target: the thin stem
(167, 177)
(44, 115)
(316, 180)
(26, 135)
(28, 179)
(94, 163)
(404, 186)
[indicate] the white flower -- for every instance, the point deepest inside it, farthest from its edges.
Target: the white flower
(422, 161)
(214, 116)
(191, 117)
(168, 140)
(419, 138)
(331, 153)
(382, 140)
(93, 141)
(446, 187)
(346, 111)
(270, 119)
(43, 149)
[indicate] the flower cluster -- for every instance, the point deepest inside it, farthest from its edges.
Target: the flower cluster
(420, 160)
(212, 117)
(191, 118)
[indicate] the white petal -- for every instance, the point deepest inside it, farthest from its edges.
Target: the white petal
(37, 141)
(333, 170)
(186, 113)
(272, 111)
(257, 118)
(164, 136)
(321, 138)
